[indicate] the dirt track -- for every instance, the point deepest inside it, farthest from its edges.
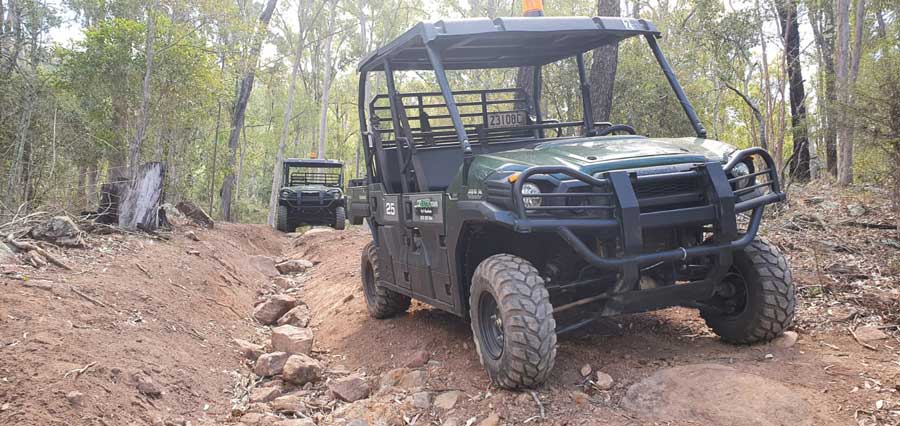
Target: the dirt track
(821, 380)
(174, 325)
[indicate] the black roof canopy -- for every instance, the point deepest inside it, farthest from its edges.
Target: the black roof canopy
(502, 42)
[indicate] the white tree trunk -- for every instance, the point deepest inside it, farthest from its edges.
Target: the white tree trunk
(842, 71)
(135, 150)
(326, 82)
(140, 206)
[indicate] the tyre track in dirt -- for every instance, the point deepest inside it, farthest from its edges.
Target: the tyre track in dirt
(813, 377)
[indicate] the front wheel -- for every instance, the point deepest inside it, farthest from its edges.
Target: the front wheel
(282, 223)
(340, 218)
(512, 322)
(755, 302)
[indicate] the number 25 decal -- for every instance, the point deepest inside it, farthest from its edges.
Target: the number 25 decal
(390, 209)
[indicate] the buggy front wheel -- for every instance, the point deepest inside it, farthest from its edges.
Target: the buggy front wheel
(340, 218)
(512, 322)
(281, 219)
(755, 302)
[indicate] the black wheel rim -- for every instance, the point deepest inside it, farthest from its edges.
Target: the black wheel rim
(490, 326)
(732, 297)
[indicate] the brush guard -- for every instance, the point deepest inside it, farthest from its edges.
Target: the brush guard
(628, 223)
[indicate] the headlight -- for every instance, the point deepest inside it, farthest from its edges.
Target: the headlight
(336, 193)
(741, 169)
(530, 188)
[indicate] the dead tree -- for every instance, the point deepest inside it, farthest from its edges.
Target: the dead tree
(138, 208)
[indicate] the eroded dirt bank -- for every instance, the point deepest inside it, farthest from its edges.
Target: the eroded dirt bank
(140, 332)
(143, 332)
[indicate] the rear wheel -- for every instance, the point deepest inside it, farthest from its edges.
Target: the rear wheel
(282, 223)
(512, 322)
(755, 301)
(340, 218)
(382, 303)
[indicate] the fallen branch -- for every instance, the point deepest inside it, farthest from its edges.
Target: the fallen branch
(885, 226)
(21, 245)
(538, 401)
(89, 298)
(144, 270)
(863, 344)
(79, 371)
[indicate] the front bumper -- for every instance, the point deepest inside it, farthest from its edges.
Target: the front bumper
(623, 219)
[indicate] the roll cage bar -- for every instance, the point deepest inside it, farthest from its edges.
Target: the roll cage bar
(499, 43)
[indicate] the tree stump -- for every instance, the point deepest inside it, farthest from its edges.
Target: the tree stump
(196, 213)
(139, 207)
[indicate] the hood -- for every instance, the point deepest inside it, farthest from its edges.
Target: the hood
(602, 153)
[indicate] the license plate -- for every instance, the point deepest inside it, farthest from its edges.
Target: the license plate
(496, 120)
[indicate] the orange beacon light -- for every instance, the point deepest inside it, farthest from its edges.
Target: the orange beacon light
(533, 7)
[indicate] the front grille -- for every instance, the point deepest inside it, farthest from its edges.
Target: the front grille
(666, 187)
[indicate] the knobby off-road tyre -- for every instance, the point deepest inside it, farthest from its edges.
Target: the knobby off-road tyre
(508, 297)
(282, 223)
(340, 218)
(382, 303)
(770, 301)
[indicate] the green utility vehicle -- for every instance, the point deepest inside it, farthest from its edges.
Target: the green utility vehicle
(311, 194)
(482, 206)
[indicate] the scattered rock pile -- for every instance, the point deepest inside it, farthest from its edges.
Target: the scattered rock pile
(297, 384)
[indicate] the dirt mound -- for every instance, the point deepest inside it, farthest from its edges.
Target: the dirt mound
(140, 332)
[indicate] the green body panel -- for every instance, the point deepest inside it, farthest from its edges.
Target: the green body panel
(597, 154)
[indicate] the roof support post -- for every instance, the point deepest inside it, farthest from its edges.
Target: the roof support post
(395, 119)
(537, 98)
(676, 87)
(438, 65)
(585, 96)
(364, 133)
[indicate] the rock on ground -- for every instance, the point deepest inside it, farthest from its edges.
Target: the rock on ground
(265, 394)
(447, 400)
(59, 230)
(273, 308)
(492, 420)
(249, 350)
(421, 400)
(270, 364)
(293, 340)
(717, 394)
(350, 388)
(868, 334)
(293, 266)
(603, 381)
(264, 264)
(6, 255)
(147, 386)
(414, 380)
(786, 340)
(300, 369)
(75, 398)
(290, 403)
(298, 316)
(295, 422)
(417, 359)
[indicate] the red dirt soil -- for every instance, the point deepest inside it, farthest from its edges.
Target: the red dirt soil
(173, 324)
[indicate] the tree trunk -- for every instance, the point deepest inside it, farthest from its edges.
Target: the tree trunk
(848, 126)
(823, 32)
(240, 107)
(845, 146)
(756, 113)
(799, 163)
(603, 68)
(326, 83)
(134, 157)
(139, 208)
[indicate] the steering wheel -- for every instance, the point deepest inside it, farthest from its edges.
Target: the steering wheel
(617, 128)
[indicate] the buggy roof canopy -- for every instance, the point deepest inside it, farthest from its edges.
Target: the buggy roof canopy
(312, 162)
(502, 42)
